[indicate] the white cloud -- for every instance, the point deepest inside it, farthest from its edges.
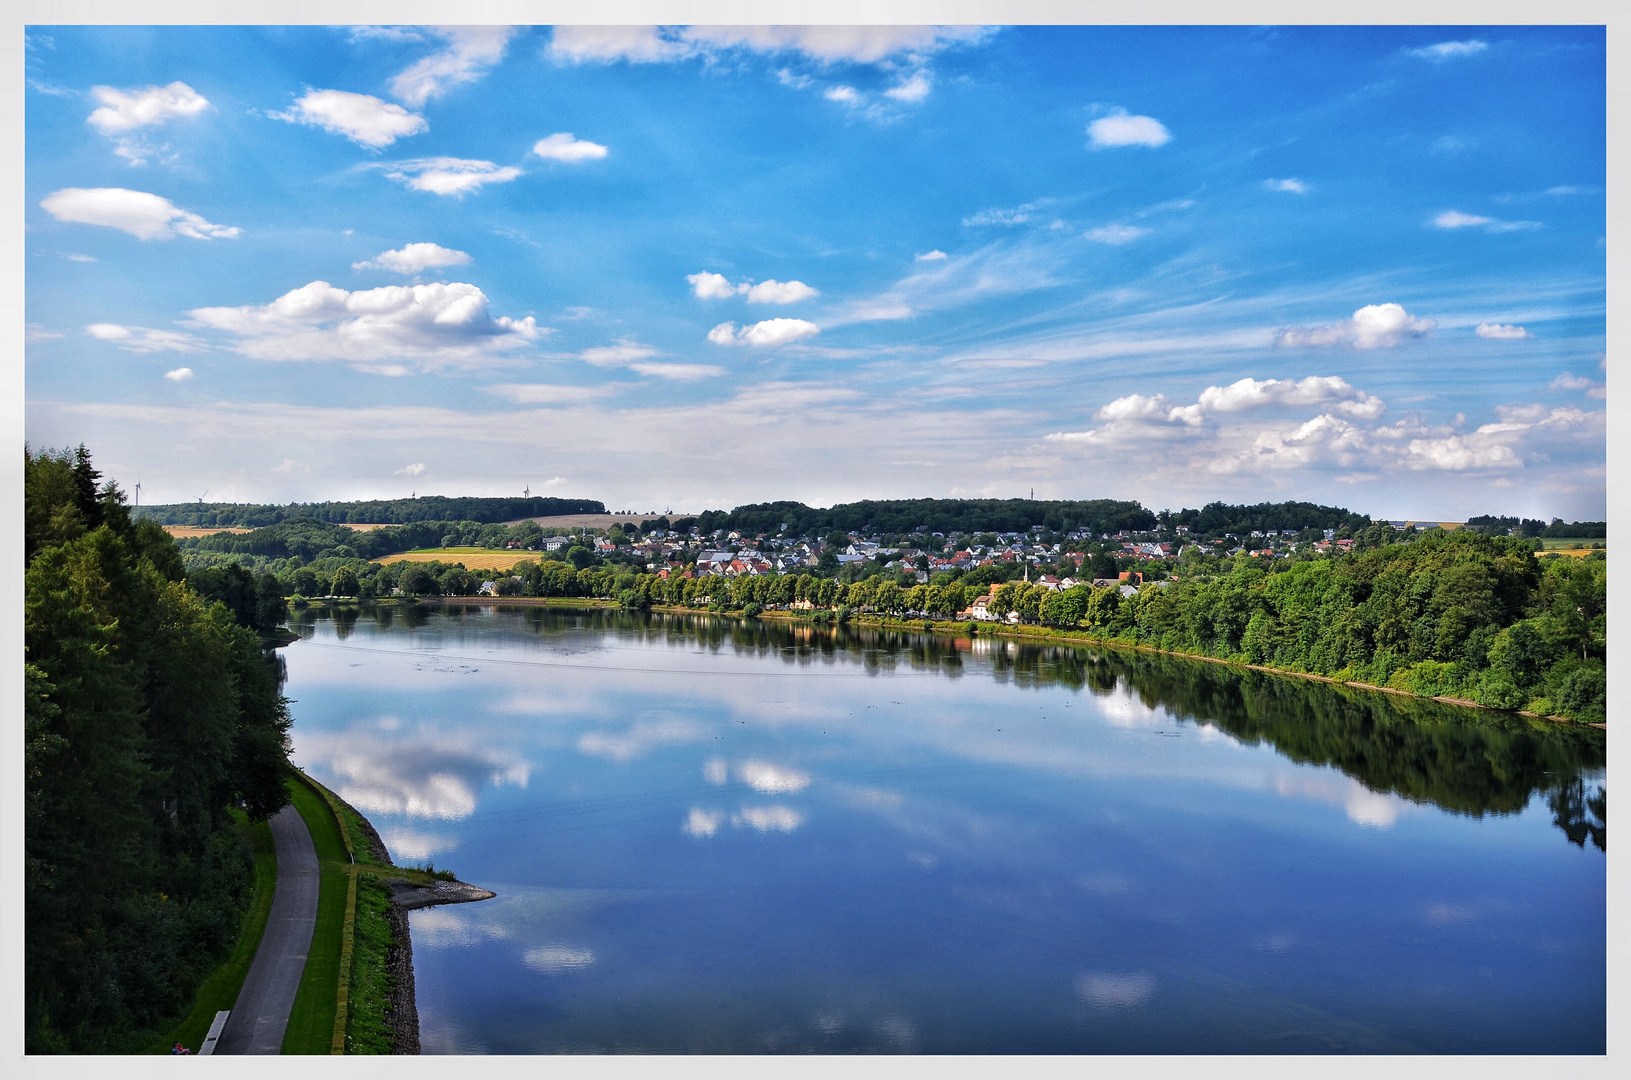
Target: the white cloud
(770, 332)
(1115, 234)
(772, 779)
(836, 44)
(546, 394)
(180, 374)
(139, 213)
(1449, 50)
(80, 258)
(438, 326)
(36, 332)
(414, 259)
(678, 372)
(1570, 381)
(715, 771)
(701, 824)
(125, 111)
(554, 959)
(625, 351)
(416, 469)
(362, 118)
(930, 256)
(1455, 219)
(710, 286)
(1290, 184)
(780, 292)
(845, 94)
(1120, 129)
(561, 146)
(470, 51)
(1497, 330)
(768, 818)
(609, 44)
(641, 737)
(914, 89)
(450, 175)
(1372, 326)
(142, 339)
(1018, 215)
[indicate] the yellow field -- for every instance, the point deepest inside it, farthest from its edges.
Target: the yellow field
(479, 559)
(187, 532)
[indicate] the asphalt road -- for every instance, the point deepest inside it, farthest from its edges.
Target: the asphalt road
(261, 1013)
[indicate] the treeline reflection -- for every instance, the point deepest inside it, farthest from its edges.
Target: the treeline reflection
(1467, 761)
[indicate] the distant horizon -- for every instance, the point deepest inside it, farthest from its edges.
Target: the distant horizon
(707, 265)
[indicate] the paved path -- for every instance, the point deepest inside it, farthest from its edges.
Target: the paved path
(261, 1013)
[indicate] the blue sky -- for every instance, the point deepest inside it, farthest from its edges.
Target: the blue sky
(695, 267)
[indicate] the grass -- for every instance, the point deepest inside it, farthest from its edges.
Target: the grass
(311, 1021)
(220, 990)
(366, 1031)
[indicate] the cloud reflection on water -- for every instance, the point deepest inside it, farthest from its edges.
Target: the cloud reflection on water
(425, 773)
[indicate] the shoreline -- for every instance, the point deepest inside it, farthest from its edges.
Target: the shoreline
(997, 630)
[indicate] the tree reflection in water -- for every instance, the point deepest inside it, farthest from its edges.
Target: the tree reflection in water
(1466, 761)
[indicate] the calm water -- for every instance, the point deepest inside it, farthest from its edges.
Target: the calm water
(734, 838)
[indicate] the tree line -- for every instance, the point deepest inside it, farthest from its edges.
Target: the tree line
(151, 716)
(372, 511)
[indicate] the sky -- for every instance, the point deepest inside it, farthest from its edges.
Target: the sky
(684, 268)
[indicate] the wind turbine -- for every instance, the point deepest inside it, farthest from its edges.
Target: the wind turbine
(138, 493)
(201, 497)
(526, 492)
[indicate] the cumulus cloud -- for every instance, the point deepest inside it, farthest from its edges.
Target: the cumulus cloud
(701, 824)
(914, 89)
(1115, 234)
(450, 175)
(1455, 219)
(1120, 129)
(470, 51)
(365, 120)
(125, 111)
(423, 775)
(139, 213)
(836, 44)
(1449, 50)
(930, 256)
(180, 374)
(710, 286)
(562, 146)
(436, 326)
(142, 339)
(1570, 381)
(609, 44)
(1500, 332)
(1372, 326)
(780, 292)
(414, 259)
(1290, 184)
(416, 469)
(770, 332)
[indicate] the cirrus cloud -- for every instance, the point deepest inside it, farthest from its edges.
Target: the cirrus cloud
(141, 214)
(142, 339)
(1115, 234)
(470, 51)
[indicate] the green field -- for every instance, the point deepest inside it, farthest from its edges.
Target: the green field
(311, 1021)
(220, 990)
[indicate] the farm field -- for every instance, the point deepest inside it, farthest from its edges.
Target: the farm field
(472, 558)
(188, 532)
(1578, 548)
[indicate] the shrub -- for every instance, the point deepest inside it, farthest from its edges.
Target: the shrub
(1497, 690)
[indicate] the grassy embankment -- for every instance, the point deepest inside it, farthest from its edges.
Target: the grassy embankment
(220, 990)
(311, 1020)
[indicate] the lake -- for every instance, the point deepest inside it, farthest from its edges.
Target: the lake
(749, 836)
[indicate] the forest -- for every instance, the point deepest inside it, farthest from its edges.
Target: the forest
(368, 512)
(155, 728)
